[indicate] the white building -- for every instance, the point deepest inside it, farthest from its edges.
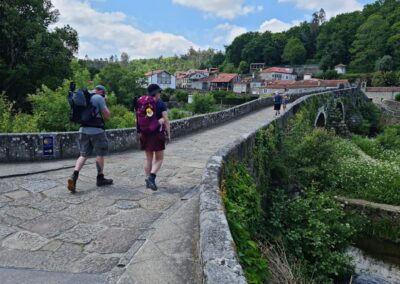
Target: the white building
(197, 74)
(340, 69)
(241, 87)
(162, 78)
(304, 86)
(276, 73)
(202, 84)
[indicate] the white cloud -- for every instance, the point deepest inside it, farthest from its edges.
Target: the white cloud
(274, 25)
(103, 34)
(331, 7)
(226, 33)
(226, 9)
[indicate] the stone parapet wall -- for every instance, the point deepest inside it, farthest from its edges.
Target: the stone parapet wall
(23, 147)
(390, 112)
(220, 263)
(18, 147)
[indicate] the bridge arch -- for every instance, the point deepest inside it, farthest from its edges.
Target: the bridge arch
(341, 109)
(320, 120)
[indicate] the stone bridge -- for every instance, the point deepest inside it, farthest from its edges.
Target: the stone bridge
(126, 233)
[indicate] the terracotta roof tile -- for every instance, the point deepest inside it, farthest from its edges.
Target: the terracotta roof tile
(276, 70)
(206, 79)
(383, 89)
(224, 78)
(155, 72)
(291, 84)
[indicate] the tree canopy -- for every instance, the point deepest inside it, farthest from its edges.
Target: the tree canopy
(357, 39)
(32, 54)
(294, 52)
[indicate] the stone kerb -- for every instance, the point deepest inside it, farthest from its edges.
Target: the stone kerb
(219, 260)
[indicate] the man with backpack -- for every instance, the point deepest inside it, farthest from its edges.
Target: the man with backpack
(277, 103)
(90, 110)
(153, 127)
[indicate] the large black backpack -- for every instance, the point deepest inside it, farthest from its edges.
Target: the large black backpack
(82, 111)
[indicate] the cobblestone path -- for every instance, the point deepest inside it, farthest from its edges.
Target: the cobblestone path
(124, 233)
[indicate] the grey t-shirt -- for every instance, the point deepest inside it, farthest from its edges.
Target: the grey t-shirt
(100, 104)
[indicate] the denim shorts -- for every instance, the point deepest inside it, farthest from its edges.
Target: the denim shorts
(89, 143)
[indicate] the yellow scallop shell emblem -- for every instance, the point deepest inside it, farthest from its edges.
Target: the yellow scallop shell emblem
(149, 112)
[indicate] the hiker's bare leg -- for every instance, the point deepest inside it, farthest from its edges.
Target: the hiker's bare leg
(158, 162)
(80, 163)
(148, 163)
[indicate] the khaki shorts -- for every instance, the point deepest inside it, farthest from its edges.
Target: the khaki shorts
(89, 143)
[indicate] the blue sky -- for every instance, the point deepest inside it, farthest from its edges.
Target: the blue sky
(155, 28)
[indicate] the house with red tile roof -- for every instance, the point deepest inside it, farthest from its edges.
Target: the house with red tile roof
(181, 79)
(277, 73)
(303, 86)
(203, 83)
(224, 81)
(185, 79)
(162, 78)
(379, 94)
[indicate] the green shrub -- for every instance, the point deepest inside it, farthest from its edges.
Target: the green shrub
(6, 108)
(353, 77)
(397, 97)
(389, 139)
(383, 227)
(383, 79)
(203, 103)
(243, 209)
(167, 94)
(218, 95)
(313, 158)
(23, 122)
(369, 179)
(237, 100)
(315, 232)
(181, 96)
(121, 117)
(175, 113)
(371, 119)
(51, 109)
(328, 75)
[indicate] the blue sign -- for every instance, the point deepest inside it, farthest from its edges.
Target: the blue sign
(48, 146)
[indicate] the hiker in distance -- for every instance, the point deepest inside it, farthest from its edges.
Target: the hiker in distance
(285, 100)
(90, 110)
(154, 131)
(277, 103)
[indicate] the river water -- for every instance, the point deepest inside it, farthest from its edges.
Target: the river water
(376, 262)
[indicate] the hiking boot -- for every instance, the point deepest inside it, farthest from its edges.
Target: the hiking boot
(147, 182)
(102, 181)
(72, 183)
(151, 183)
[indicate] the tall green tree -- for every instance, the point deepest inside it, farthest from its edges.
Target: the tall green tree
(394, 44)
(294, 52)
(217, 59)
(234, 50)
(273, 49)
(369, 44)
(336, 38)
(30, 54)
(384, 64)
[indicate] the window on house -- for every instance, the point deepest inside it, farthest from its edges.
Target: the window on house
(164, 78)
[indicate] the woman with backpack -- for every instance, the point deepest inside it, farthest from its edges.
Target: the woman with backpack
(153, 127)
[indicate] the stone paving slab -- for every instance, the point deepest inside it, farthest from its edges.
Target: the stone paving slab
(13, 276)
(124, 232)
